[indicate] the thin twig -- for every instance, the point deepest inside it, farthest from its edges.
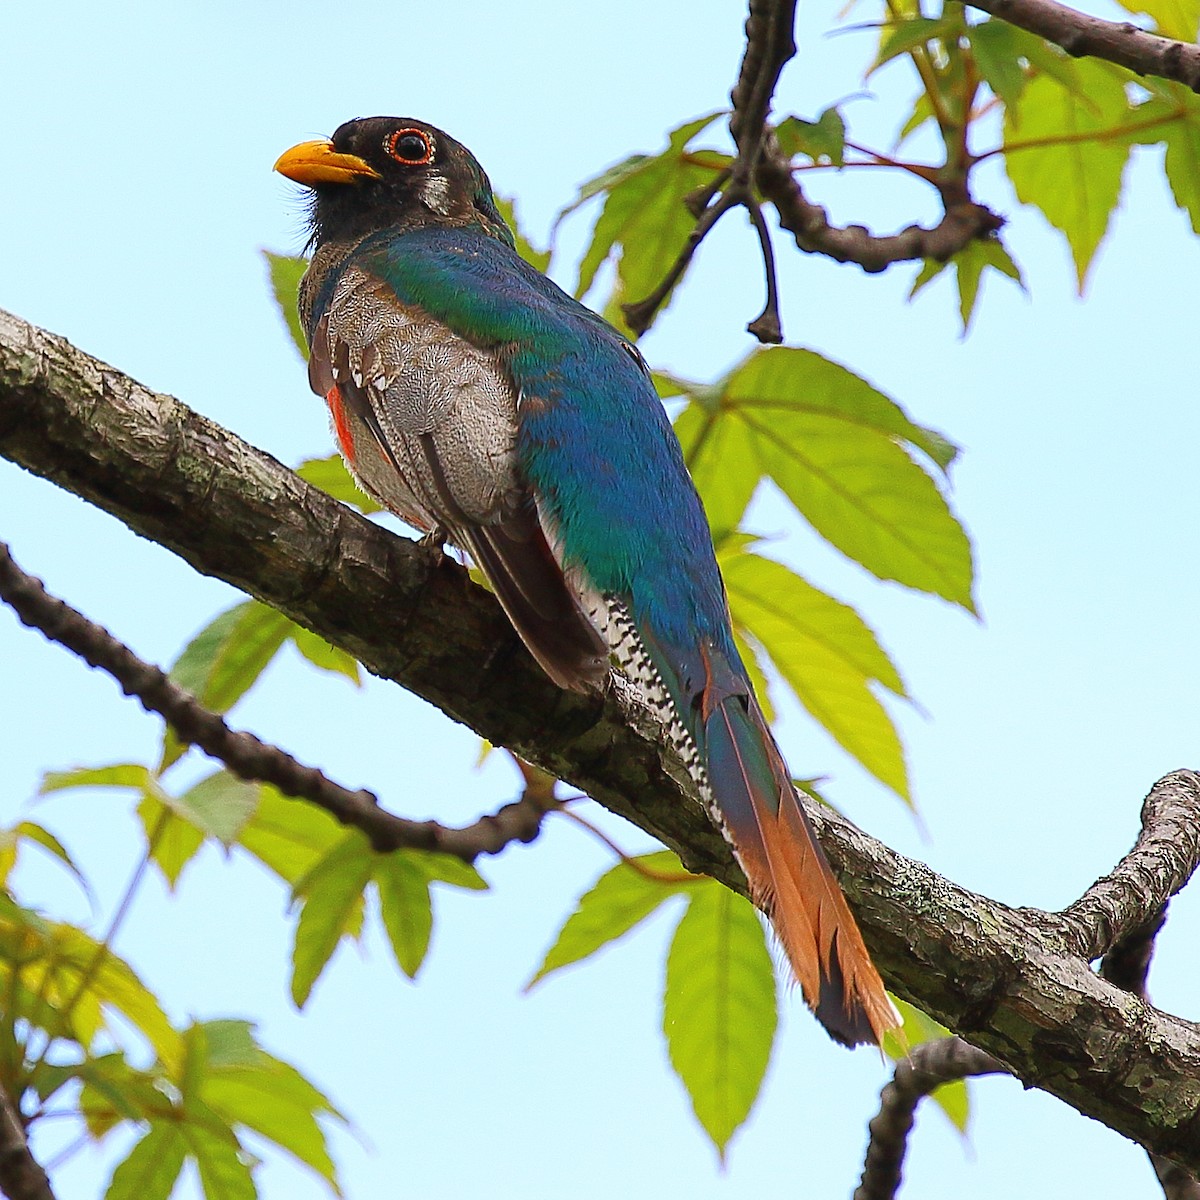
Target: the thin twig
(243, 753)
(928, 1066)
(1119, 42)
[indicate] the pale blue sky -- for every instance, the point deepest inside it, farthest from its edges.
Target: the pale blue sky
(137, 193)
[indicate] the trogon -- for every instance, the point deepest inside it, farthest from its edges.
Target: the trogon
(476, 399)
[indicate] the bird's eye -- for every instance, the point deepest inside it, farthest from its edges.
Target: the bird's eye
(412, 147)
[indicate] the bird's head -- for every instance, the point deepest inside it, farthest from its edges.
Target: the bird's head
(382, 172)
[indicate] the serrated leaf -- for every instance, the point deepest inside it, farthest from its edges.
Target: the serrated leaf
(539, 259)
(644, 215)
(720, 455)
(930, 270)
(970, 263)
(605, 181)
(332, 893)
(822, 140)
(406, 908)
(1183, 157)
(620, 899)
(719, 1008)
(330, 475)
(1065, 160)
(286, 273)
(325, 657)
(151, 1168)
(288, 836)
(827, 654)
(834, 445)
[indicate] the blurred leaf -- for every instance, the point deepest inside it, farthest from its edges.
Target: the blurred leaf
(719, 1009)
(172, 840)
(286, 273)
(213, 1146)
(827, 654)
(406, 909)
(330, 475)
(1076, 183)
(620, 899)
(998, 56)
(446, 868)
(822, 140)
(120, 775)
(12, 839)
(540, 259)
(220, 805)
(903, 36)
(150, 1170)
(834, 445)
(1183, 153)
(332, 893)
(324, 656)
(644, 215)
(289, 836)
(1173, 18)
(952, 1098)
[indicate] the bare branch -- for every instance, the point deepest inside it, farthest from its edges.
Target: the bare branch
(1119, 42)
(1163, 859)
(21, 1176)
(1010, 980)
(929, 1066)
(243, 753)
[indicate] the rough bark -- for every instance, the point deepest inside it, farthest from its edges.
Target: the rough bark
(1012, 981)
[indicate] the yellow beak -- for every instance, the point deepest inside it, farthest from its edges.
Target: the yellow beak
(311, 163)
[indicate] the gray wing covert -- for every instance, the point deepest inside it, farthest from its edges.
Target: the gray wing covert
(427, 422)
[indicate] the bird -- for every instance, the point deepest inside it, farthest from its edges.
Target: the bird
(477, 400)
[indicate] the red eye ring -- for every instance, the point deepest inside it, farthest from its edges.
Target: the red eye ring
(416, 153)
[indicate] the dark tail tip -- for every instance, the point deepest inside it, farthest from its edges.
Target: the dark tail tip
(845, 1019)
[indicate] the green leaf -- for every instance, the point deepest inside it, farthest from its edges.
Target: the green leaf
(406, 908)
(1183, 156)
(224, 660)
(120, 775)
(220, 805)
(223, 1167)
(970, 263)
(719, 1009)
(835, 446)
(998, 56)
(620, 899)
(152, 1167)
(644, 214)
(11, 841)
(287, 835)
(827, 654)
(952, 1098)
(333, 905)
(1075, 182)
(324, 656)
(822, 140)
(720, 453)
(173, 840)
(901, 37)
(330, 475)
(446, 868)
(539, 259)
(286, 273)
(1173, 18)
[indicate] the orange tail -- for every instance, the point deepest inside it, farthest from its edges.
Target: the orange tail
(790, 877)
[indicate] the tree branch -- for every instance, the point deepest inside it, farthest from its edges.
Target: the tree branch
(247, 756)
(1009, 980)
(21, 1176)
(1119, 42)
